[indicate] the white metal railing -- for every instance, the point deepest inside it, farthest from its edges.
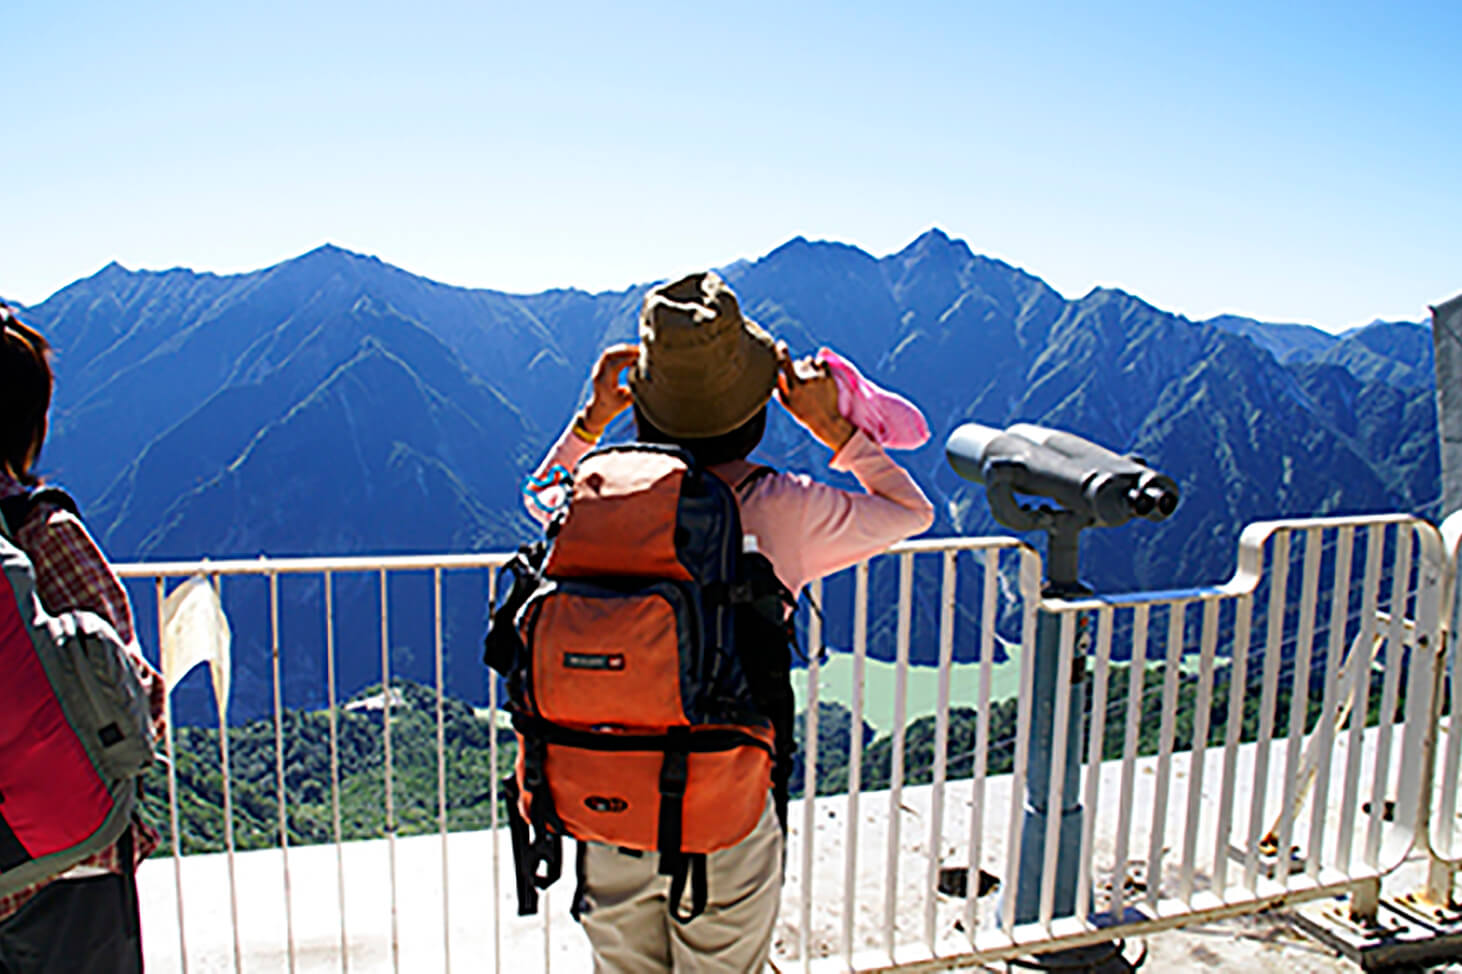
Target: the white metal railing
(327, 569)
(1320, 611)
(1446, 829)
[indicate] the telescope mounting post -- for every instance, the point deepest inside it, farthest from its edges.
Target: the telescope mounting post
(1094, 488)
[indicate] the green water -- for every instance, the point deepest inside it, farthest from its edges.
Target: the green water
(879, 687)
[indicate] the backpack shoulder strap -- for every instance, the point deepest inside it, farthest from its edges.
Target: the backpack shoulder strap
(13, 511)
(756, 474)
(17, 509)
(56, 496)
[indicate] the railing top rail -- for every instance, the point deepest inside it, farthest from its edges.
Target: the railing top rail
(1250, 565)
(264, 564)
(963, 543)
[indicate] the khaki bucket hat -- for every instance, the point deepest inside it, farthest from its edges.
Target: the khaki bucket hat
(704, 369)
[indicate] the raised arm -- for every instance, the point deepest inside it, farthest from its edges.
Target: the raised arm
(841, 527)
(813, 528)
(608, 397)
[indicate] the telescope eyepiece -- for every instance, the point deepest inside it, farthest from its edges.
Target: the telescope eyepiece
(1166, 501)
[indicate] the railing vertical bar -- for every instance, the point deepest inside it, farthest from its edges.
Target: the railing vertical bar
(1446, 816)
(1395, 635)
(1327, 728)
(1237, 687)
(1095, 746)
(980, 759)
(1136, 677)
(1198, 752)
(329, 582)
(1030, 572)
(1299, 703)
(1055, 791)
(160, 590)
(228, 811)
(1177, 613)
(1361, 656)
(442, 770)
(279, 764)
(1273, 650)
(941, 747)
(809, 768)
(896, 763)
(389, 770)
(855, 758)
(492, 796)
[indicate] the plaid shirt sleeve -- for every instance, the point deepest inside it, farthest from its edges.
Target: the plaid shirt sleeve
(71, 573)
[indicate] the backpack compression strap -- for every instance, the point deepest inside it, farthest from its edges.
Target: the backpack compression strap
(683, 867)
(538, 860)
(678, 865)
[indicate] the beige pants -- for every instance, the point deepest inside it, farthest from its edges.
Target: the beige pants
(627, 919)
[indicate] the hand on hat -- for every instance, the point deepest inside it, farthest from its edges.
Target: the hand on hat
(807, 390)
(608, 397)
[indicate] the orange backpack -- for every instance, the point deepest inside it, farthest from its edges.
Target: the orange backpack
(646, 661)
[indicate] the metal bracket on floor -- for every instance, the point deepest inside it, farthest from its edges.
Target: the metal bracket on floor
(1406, 930)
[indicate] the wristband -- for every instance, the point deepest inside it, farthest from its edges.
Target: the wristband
(581, 430)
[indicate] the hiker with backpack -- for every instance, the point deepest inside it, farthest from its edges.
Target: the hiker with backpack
(648, 658)
(80, 709)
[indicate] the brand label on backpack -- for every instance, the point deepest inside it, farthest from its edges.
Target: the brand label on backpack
(599, 803)
(593, 661)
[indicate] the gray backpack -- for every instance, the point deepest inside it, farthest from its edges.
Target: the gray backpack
(75, 727)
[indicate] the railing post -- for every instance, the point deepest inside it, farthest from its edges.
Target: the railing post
(1365, 900)
(1440, 873)
(1436, 575)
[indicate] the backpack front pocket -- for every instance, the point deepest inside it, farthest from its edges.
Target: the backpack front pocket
(608, 787)
(613, 659)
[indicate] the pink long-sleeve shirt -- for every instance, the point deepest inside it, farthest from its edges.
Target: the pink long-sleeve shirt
(805, 528)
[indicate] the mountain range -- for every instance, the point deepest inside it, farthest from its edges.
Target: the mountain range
(335, 404)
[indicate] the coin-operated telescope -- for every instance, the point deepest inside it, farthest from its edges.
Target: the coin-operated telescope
(1093, 486)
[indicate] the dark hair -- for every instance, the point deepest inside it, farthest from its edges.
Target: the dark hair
(709, 450)
(25, 395)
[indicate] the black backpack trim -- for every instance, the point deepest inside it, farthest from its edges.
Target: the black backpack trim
(676, 740)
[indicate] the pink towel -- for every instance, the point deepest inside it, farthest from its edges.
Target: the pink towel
(887, 417)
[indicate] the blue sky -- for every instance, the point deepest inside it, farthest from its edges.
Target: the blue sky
(1288, 161)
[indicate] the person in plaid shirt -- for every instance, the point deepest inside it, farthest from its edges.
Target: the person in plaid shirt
(86, 919)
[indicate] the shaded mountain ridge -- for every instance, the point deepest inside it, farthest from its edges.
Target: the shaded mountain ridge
(335, 404)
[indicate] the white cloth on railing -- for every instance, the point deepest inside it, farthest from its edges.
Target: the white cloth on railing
(194, 631)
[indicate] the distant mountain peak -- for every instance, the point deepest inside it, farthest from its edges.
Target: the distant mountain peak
(799, 247)
(111, 271)
(334, 252)
(935, 243)
(1104, 294)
